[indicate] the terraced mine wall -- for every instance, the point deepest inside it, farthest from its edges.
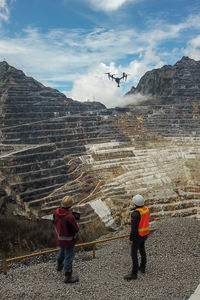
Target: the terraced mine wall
(52, 146)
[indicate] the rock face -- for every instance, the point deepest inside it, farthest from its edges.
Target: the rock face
(172, 84)
(51, 146)
(172, 99)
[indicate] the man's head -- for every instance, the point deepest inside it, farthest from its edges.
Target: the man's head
(138, 200)
(67, 202)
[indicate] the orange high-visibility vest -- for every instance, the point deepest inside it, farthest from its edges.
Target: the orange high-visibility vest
(143, 228)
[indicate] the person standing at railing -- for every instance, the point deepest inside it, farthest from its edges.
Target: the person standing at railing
(139, 231)
(66, 229)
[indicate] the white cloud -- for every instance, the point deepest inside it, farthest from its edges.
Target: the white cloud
(193, 48)
(95, 86)
(5, 9)
(108, 5)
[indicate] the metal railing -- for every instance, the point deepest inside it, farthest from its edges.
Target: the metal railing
(93, 243)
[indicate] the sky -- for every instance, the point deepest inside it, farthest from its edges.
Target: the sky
(69, 45)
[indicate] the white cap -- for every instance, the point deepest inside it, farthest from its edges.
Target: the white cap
(138, 200)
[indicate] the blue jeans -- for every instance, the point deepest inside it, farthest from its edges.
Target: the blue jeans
(66, 255)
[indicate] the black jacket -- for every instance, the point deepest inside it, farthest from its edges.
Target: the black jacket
(135, 220)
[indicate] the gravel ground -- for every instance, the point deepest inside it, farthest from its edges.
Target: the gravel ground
(173, 269)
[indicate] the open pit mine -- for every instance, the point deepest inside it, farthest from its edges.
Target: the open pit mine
(52, 146)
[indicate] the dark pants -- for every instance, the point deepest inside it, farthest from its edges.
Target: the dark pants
(138, 245)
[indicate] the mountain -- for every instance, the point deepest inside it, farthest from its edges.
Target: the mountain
(171, 84)
(24, 94)
(52, 146)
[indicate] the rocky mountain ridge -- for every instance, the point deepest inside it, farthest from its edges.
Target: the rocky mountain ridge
(51, 146)
(171, 84)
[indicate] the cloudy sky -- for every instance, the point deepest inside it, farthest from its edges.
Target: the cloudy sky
(70, 44)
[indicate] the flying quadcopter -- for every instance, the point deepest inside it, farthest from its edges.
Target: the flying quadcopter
(117, 79)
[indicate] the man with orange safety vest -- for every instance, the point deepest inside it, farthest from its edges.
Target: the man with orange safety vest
(139, 231)
(66, 230)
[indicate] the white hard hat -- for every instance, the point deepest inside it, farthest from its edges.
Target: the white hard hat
(138, 200)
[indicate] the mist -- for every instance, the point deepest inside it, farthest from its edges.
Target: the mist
(133, 99)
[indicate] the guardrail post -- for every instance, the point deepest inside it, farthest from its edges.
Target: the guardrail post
(5, 267)
(93, 251)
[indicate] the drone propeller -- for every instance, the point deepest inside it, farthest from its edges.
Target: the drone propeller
(109, 74)
(112, 76)
(125, 76)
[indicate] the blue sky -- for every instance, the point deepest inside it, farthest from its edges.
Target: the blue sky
(70, 44)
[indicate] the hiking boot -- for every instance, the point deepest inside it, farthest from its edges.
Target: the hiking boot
(69, 278)
(59, 265)
(142, 269)
(130, 276)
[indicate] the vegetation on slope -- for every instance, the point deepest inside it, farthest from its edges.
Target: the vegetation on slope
(20, 236)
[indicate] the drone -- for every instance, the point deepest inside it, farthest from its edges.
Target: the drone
(117, 79)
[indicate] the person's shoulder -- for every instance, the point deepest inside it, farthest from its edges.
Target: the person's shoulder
(70, 215)
(56, 210)
(135, 213)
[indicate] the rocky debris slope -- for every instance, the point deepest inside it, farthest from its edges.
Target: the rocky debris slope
(170, 99)
(172, 269)
(161, 174)
(51, 146)
(42, 135)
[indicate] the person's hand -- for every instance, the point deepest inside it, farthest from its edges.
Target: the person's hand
(130, 242)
